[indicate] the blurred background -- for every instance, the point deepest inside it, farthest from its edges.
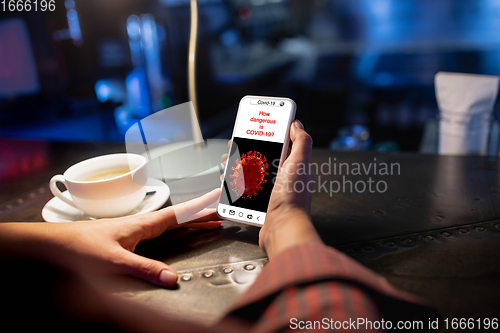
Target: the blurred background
(89, 69)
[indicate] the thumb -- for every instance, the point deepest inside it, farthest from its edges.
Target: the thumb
(301, 143)
(151, 270)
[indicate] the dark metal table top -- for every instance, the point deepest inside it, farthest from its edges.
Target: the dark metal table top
(432, 227)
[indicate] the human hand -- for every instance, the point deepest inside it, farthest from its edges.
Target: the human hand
(107, 245)
(288, 219)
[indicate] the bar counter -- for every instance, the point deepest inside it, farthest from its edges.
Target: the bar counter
(432, 227)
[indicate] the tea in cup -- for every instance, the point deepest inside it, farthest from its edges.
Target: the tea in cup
(105, 186)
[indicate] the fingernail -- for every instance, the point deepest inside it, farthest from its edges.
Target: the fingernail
(298, 124)
(168, 278)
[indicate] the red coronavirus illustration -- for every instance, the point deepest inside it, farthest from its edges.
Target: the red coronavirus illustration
(248, 175)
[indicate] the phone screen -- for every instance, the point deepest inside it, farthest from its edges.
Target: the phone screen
(257, 145)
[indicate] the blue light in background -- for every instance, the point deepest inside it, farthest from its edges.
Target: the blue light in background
(110, 90)
(75, 31)
(102, 90)
(138, 94)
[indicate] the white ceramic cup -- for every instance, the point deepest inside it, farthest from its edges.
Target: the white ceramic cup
(111, 197)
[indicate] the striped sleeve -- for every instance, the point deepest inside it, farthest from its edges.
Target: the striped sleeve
(312, 284)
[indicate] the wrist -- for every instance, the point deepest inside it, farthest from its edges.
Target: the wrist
(24, 240)
(286, 229)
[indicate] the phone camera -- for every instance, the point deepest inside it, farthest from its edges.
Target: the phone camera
(282, 103)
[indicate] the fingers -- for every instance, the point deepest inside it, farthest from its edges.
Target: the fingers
(223, 159)
(194, 209)
(150, 270)
(203, 225)
(302, 143)
(205, 215)
(155, 223)
(205, 219)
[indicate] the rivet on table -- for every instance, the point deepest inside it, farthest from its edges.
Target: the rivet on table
(186, 277)
(407, 241)
(249, 267)
(227, 270)
(41, 190)
(350, 251)
(446, 234)
(462, 231)
(208, 274)
(479, 229)
(429, 237)
(368, 248)
(497, 226)
(390, 244)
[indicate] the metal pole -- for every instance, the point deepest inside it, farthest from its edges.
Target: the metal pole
(192, 70)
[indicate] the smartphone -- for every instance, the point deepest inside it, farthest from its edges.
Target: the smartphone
(258, 147)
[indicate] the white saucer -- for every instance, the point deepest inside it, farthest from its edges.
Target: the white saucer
(58, 211)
